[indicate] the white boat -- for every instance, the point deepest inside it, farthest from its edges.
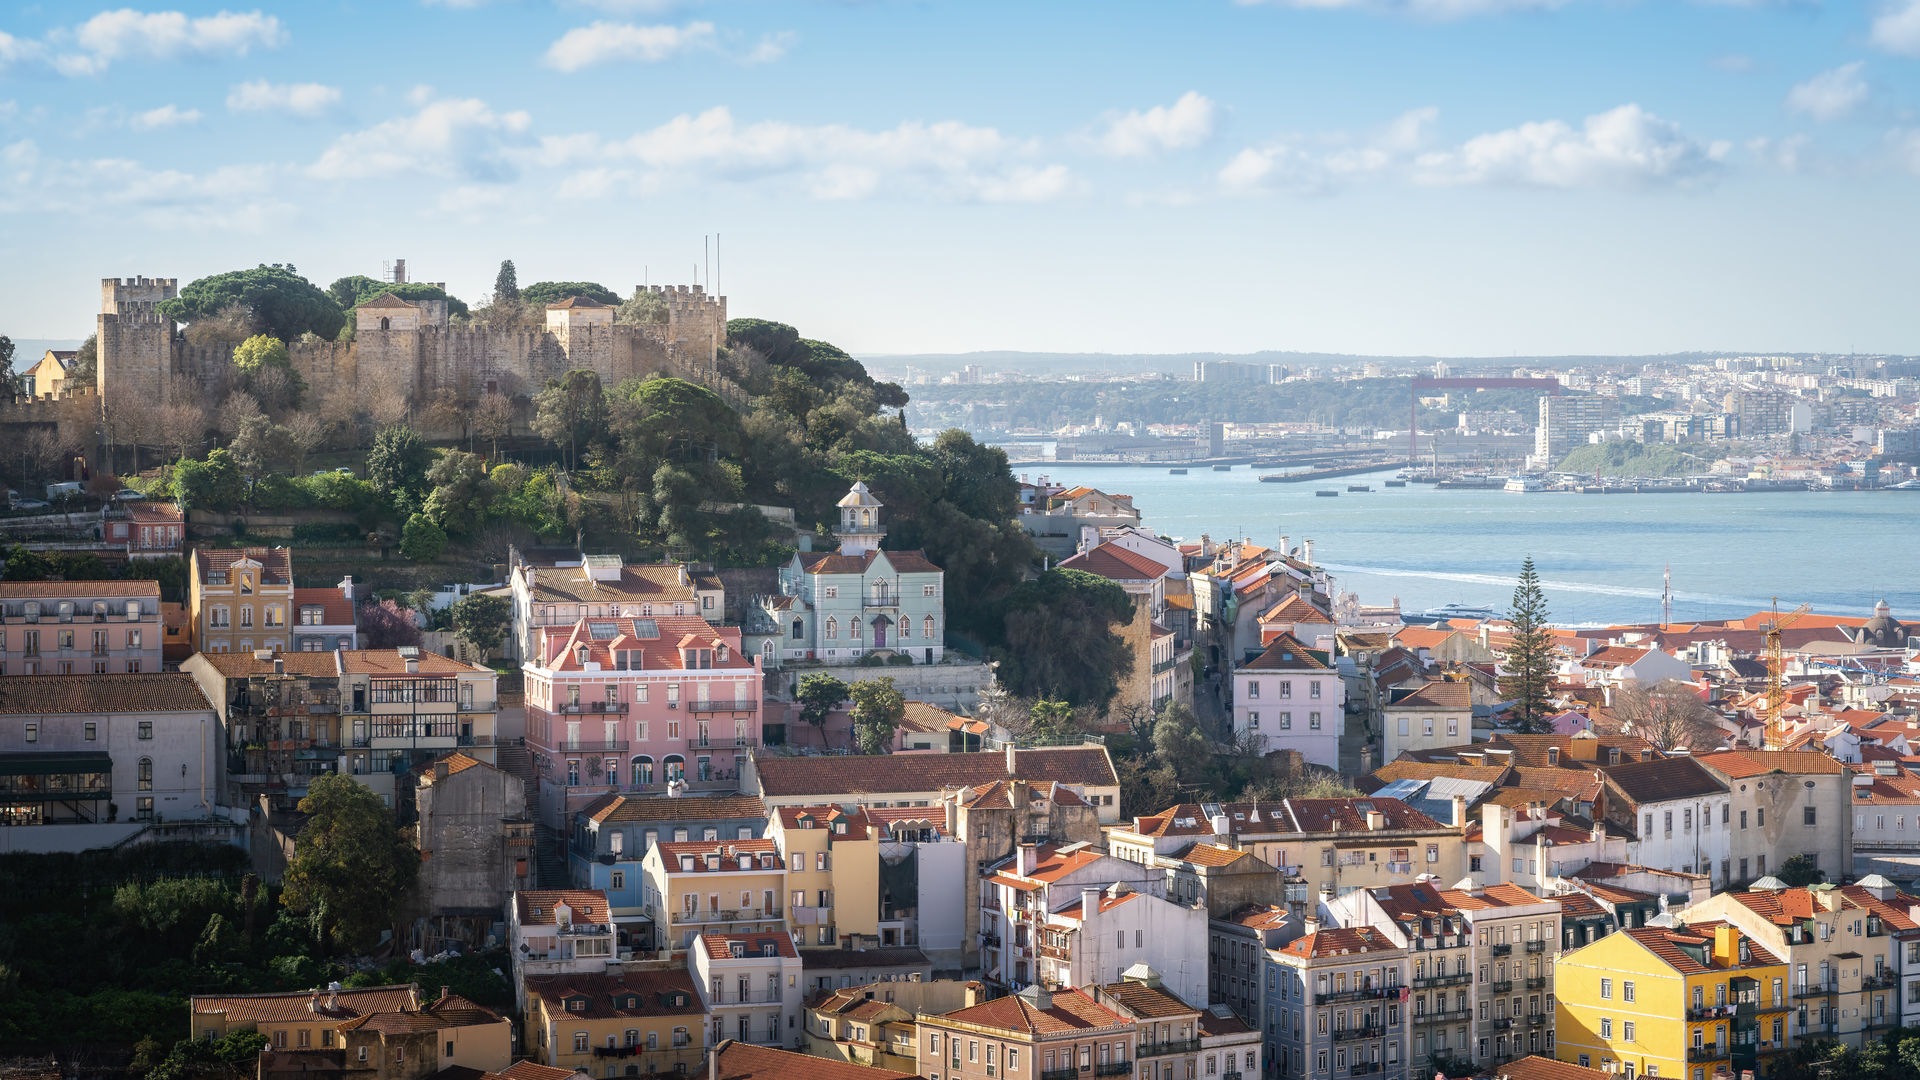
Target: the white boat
(1447, 612)
(1525, 483)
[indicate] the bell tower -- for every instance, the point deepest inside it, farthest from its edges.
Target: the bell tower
(860, 530)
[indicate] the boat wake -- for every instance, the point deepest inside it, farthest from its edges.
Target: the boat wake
(1550, 586)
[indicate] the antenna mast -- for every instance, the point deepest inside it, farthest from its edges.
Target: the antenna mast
(1666, 597)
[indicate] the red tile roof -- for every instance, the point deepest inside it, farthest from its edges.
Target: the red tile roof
(1493, 896)
(646, 583)
(827, 819)
(1068, 1010)
(1115, 562)
(1147, 1002)
(388, 662)
(536, 906)
(721, 946)
(832, 562)
(657, 639)
(1049, 865)
(782, 777)
(1666, 942)
(1436, 695)
(78, 590)
(1339, 941)
(766, 855)
(629, 994)
(299, 1006)
(276, 564)
(621, 808)
(1295, 609)
(1645, 782)
(239, 665)
(1284, 653)
(51, 694)
(1535, 1067)
(745, 1061)
(1350, 815)
(1741, 764)
(335, 609)
(1786, 906)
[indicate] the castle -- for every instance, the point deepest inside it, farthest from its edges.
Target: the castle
(409, 345)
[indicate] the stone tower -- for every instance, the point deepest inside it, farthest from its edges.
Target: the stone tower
(860, 529)
(135, 346)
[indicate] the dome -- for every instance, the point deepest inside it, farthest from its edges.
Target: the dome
(1883, 629)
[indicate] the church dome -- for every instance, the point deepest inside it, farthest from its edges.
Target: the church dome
(1883, 630)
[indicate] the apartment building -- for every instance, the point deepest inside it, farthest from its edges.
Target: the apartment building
(1428, 716)
(1515, 939)
(750, 985)
(1689, 1000)
(833, 873)
(1678, 813)
(279, 716)
(874, 1023)
(1783, 803)
(80, 627)
(1166, 1029)
(1051, 1033)
(384, 1032)
(239, 600)
(1842, 956)
(1291, 698)
(1237, 946)
(603, 1024)
(1440, 944)
(614, 832)
(324, 619)
(927, 779)
(559, 931)
(562, 590)
(1334, 1005)
(638, 704)
(400, 708)
(712, 886)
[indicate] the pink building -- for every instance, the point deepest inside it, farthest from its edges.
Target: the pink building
(636, 704)
(80, 627)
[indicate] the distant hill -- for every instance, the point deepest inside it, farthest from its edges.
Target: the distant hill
(28, 351)
(1055, 363)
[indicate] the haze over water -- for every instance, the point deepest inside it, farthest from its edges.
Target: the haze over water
(1600, 556)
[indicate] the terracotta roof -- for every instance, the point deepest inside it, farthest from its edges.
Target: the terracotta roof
(1050, 864)
(1896, 912)
(381, 662)
(1493, 896)
(1295, 609)
(1075, 910)
(631, 993)
(927, 717)
(536, 905)
(1350, 814)
(456, 763)
(1219, 1021)
(1184, 819)
(1068, 1010)
(335, 609)
(276, 564)
(1408, 769)
(1577, 905)
(1284, 653)
(721, 946)
(1786, 906)
(1615, 656)
(1112, 561)
(832, 562)
(1147, 1002)
(1665, 943)
(783, 777)
(766, 854)
(388, 300)
(531, 1070)
(576, 302)
(48, 694)
(827, 819)
(153, 513)
(1535, 1067)
(298, 1006)
(844, 958)
(617, 808)
(1435, 695)
(1660, 781)
(645, 583)
(77, 590)
(451, 1011)
(1574, 752)
(1741, 764)
(658, 641)
(1212, 855)
(745, 1061)
(239, 665)
(1339, 941)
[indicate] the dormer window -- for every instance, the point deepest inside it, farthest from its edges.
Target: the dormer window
(713, 862)
(766, 948)
(580, 654)
(746, 861)
(720, 654)
(686, 862)
(839, 828)
(737, 950)
(1553, 755)
(1613, 755)
(246, 584)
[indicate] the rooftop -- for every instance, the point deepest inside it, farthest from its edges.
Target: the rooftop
(50, 694)
(785, 777)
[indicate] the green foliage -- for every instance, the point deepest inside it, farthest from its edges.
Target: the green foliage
(644, 308)
(421, 540)
(1060, 641)
(397, 467)
(819, 694)
(481, 620)
(1527, 674)
(877, 710)
(1637, 459)
(571, 412)
(356, 289)
(1178, 741)
(506, 283)
(340, 491)
(26, 564)
(353, 869)
(86, 361)
(542, 293)
(1800, 871)
(213, 484)
(472, 976)
(461, 495)
(259, 351)
(279, 301)
(783, 346)
(671, 419)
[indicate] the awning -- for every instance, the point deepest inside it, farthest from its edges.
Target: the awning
(50, 764)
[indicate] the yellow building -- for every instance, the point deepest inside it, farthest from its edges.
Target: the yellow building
(605, 1025)
(239, 600)
(48, 378)
(833, 874)
(713, 886)
(459, 1032)
(1672, 1002)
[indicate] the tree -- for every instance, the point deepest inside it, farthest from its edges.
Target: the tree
(86, 362)
(278, 300)
(6, 359)
(674, 420)
(26, 564)
(258, 351)
(492, 419)
(877, 711)
(356, 289)
(572, 410)
(506, 283)
(1060, 640)
(541, 293)
(1668, 714)
(1527, 676)
(305, 431)
(353, 868)
(645, 307)
(385, 624)
(1049, 720)
(1180, 745)
(1800, 871)
(421, 540)
(397, 466)
(461, 493)
(481, 621)
(819, 694)
(213, 484)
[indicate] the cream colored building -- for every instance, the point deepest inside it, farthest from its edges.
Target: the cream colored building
(833, 874)
(403, 707)
(713, 886)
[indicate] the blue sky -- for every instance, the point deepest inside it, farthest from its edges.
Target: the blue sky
(1382, 176)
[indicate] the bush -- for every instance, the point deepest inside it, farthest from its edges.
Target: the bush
(421, 540)
(899, 659)
(339, 491)
(329, 533)
(278, 492)
(873, 660)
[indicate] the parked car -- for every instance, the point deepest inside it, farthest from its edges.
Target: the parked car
(129, 494)
(26, 504)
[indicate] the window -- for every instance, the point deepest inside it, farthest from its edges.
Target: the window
(1606, 988)
(33, 732)
(619, 879)
(146, 729)
(146, 774)
(1253, 719)
(1606, 1027)
(579, 1042)
(1626, 993)
(1626, 1030)
(1253, 689)
(93, 731)
(1806, 815)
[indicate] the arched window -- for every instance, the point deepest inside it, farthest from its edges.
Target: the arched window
(386, 323)
(675, 767)
(906, 627)
(833, 627)
(799, 629)
(927, 624)
(633, 1037)
(653, 1040)
(642, 771)
(146, 774)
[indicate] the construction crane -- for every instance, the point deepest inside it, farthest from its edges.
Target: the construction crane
(1776, 672)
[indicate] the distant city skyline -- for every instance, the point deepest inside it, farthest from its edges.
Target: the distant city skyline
(1377, 177)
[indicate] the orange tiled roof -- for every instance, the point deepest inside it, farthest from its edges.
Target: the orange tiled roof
(335, 609)
(299, 1006)
(389, 662)
(1068, 1010)
(1339, 941)
(766, 854)
(48, 694)
(77, 590)
(745, 1061)
(606, 997)
(1284, 653)
(536, 906)
(1115, 562)
(856, 774)
(720, 946)
(1741, 764)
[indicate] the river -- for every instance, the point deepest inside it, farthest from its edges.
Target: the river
(1599, 557)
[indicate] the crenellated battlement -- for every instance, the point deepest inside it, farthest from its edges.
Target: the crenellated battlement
(118, 295)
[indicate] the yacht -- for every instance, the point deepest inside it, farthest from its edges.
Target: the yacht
(1525, 483)
(1446, 612)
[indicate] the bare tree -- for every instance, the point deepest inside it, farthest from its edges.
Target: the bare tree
(338, 407)
(305, 433)
(387, 407)
(493, 420)
(1669, 715)
(182, 427)
(276, 388)
(229, 326)
(236, 411)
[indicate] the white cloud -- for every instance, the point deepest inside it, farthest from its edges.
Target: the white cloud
(463, 139)
(608, 42)
(165, 116)
(1904, 144)
(297, 99)
(830, 161)
(1830, 94)
(1897, 28)
(1622, 147)
(166, 35)
(1322, 163)
(230, 197)
(16, 50)
(1185, 124)
(1426, 9)
(770, 48)
(1783, 153)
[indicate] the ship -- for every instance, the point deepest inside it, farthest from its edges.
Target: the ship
(1327, 493)
(1525, 483)
(1447, 612)
(1177, 472)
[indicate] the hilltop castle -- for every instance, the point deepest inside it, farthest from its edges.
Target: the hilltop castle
(408, 344)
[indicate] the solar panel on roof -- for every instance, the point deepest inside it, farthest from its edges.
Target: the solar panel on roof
(646, 628)
(602, 631)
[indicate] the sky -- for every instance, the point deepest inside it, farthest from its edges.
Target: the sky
(1429, 177)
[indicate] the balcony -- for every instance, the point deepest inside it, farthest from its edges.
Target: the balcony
(582, 746)
(1363, 1068)
(1502, 1023)
(585, 930)
(1163, 666)
(1503, 950)
(1068, 1073)
(1804, 990)
(1162, 1049)
(1430, 981)
(1883, 981)
(1710, 1052)
(823, 916)
(1457, 1015)
(712, 705)
(735, 742)
(1876, 1023)
(1338, 997)
(1536, 946)
(1538, 982)
(1114, 1068)
(1816, 1029)
(725, 915)
(1710, 1012)
(1536, 1019)
(1505, 986)
(1364, 1031)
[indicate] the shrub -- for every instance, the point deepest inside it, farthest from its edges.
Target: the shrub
(421, 540)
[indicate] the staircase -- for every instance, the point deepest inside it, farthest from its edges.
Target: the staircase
(516, 759)
(550, 868)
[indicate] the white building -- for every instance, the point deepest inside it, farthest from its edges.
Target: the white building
(86, 762)
(558, 932)
(1679, 816)
(1291, 699)
(750, 986)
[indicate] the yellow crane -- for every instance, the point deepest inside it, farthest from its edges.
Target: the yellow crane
(1776, 668)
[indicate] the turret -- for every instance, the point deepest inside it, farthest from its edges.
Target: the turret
(860, 529)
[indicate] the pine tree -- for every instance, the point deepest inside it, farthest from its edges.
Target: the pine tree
(506, 284)
(1529, 665)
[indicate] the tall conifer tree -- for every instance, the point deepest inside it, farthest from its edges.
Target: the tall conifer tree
(1528, 675)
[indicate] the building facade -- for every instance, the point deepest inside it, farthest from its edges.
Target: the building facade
(80, 627)
(239, 600)
(1289, 698)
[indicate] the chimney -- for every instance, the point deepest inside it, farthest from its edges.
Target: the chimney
(1024, 858)
(1284, 549)
(313, 1003)
(279, 665)
(1089, 905)
(333, 996)
(440, 770)
(413, 665)
(1726, 946)
(1306, 552)
(445, 992)
(971, 994)
(1012, 766)
(1310, 924)
(951, 805)
(1459, 811)
(346, 588)
(1376, 821)
(1042, 997)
